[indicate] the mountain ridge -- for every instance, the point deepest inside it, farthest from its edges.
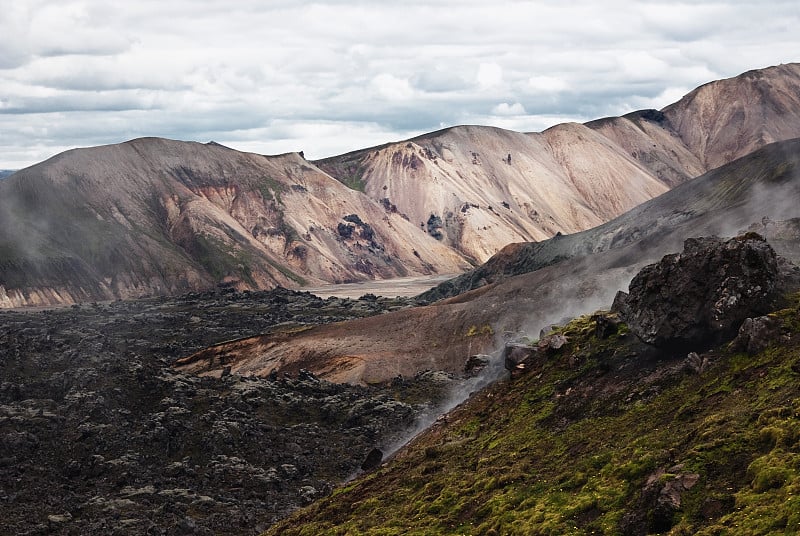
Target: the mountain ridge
(193, 215)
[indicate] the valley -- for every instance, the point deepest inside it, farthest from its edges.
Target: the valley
(402, 286)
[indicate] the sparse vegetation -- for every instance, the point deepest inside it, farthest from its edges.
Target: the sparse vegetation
(585, 444)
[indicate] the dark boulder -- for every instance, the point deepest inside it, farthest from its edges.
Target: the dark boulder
(660, 500)
(756, 334)
(702, 295)
(606, 325)
(519, 356)
(373, 460)
(476, 363)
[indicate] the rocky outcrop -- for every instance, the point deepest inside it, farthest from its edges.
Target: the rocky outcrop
(702, 295)
(756, 334)
(659, 501)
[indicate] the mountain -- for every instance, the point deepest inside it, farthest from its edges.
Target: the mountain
(6, 172)
(479, 188)
(458, 184)
(761, 185)
(530, 286)
(724, 120)
(154, 216)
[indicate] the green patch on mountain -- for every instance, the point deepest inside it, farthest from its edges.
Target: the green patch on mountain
(604, 436)
(349, 169)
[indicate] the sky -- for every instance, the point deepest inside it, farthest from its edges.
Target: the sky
(332, 76)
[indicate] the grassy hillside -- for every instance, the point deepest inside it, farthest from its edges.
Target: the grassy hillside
(601, 437)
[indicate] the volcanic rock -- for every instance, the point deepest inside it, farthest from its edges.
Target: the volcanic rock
(98, 435)
(373, 460)
(756, 334)
(703, 294)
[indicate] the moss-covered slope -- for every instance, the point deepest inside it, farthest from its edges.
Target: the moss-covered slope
(604, 436)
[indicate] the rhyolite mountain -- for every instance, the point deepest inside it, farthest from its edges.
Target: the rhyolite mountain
(154, 216)
(480, 188)
(528, 286)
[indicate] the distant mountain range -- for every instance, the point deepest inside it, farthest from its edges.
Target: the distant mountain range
(6, 172)
(154, 216)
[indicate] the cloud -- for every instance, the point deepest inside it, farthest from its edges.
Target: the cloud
(490, 75)
(83, 72)
(506, 109)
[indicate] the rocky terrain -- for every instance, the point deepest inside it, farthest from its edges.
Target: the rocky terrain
(529, 286)
(223, 410)
(159, 217)
(99, 435)
(597, 431)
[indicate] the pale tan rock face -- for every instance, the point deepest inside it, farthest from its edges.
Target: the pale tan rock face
(571, 177)
(564, 180)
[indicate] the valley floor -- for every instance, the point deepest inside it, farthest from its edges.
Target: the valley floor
(405, 287)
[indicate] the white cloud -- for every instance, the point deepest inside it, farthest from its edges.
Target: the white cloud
(351, 73)
(391, 87)
(547, 84)
(490, 75)
(506, 109)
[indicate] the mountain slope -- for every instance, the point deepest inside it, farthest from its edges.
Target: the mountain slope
(479, 188)
(459, 186)
(600, 438)
(724, 120)
(765, 184)
(561, 277)
(156, 216)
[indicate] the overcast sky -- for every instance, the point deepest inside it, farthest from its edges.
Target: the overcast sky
(331, 76)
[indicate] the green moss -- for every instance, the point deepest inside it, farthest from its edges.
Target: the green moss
(271, 189)
(545, 454)
(485, 330)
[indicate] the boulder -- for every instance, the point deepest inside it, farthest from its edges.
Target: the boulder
(476, 363)
(373, 460)
(756, 334)
(606, 325)
(701, 296)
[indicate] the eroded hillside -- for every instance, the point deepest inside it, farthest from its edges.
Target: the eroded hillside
(528, 286)
(478, 189)
(155, 216)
